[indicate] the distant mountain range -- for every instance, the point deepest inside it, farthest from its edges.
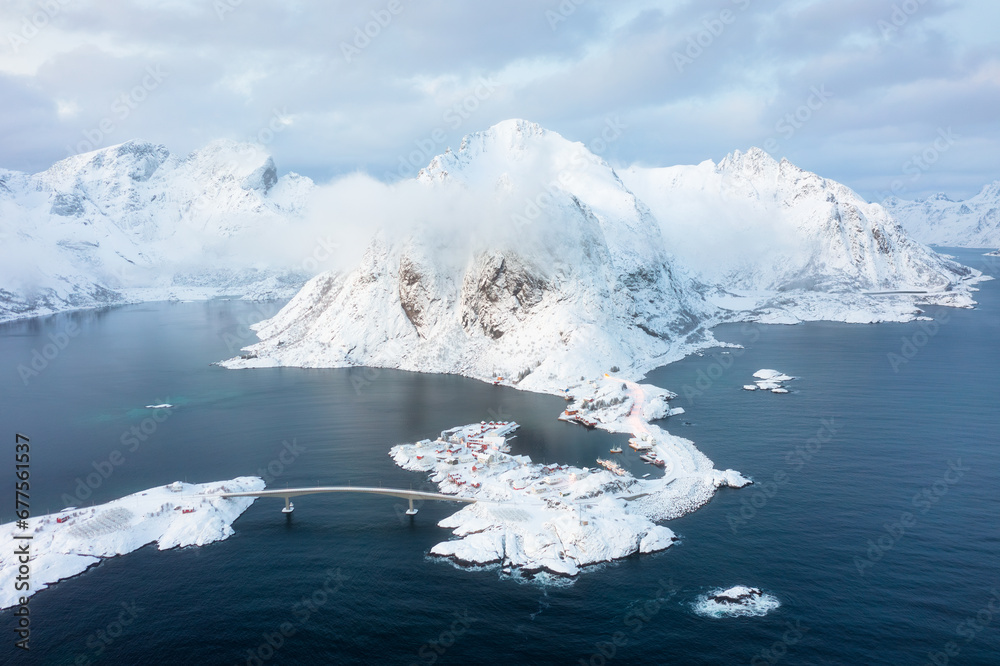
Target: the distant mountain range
(974, 222)
(529, 257)
(133, 222)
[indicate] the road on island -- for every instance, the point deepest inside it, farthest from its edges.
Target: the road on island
(638, 425)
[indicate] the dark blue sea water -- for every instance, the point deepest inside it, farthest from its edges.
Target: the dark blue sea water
(851, 450)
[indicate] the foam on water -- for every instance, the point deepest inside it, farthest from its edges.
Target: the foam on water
(755, 607)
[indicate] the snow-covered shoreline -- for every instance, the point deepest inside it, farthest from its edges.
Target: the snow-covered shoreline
(558, 518)
(67, 543)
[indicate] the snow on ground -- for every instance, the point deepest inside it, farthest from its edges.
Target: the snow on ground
(558, 518)
(66, 543)
(736, 601)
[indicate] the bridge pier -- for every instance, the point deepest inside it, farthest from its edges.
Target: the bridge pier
(411, 511)
(289, 507)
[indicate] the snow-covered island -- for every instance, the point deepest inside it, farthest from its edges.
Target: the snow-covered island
(558, 518)
(67, 543)
(769, 380)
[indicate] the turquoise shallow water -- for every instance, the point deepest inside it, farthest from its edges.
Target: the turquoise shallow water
(853, 448)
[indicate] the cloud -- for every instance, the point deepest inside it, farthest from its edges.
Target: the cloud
(370, 82)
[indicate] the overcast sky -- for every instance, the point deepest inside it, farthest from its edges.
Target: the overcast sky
(851, 89)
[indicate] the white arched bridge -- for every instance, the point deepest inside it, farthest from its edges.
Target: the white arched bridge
(289, 493)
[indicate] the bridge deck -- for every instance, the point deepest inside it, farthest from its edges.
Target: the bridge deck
(393, 492)
(288, 493)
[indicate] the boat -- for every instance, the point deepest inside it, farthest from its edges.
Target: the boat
(647, 458)
(611, 466)
(616, 449)
(659, 463)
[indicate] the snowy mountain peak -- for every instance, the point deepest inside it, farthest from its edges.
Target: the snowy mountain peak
(136, 160)
(507, 142)
(511, 135)
(990, 191)
(753, 161)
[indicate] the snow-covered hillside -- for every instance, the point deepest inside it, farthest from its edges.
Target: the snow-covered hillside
(96, 227)
(565, 271)
(938, 220)
(786, 244)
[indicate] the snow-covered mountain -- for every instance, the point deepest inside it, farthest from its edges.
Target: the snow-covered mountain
(787, 244)
(133, 222)
(564, 270)
(938, 220)
(587, 284)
